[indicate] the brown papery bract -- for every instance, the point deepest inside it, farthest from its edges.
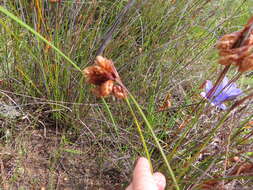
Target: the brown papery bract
(246, 64)
(106, 88)
(119, 92)
(104, 75)
(227, 41)
(237, 48)
(96, 75)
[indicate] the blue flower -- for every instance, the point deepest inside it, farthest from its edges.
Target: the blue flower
(221, 94)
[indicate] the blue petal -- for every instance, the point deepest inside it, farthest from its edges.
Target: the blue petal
(220, 88)
(222, 94)
(222, 106)
(209, 86)
(220, 98)
(234, 93)
(224, 82)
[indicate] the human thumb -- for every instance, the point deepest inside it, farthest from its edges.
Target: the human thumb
(143, 179)
(159, 180)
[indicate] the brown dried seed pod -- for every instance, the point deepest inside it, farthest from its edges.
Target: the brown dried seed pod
(236, 48)
(107, 65)
(245, 50)
(229, 59)
(228, 40)
(96, 75)
(104, 63)
(106, 88)
(103, 74)
(246, 64)
(119, 92)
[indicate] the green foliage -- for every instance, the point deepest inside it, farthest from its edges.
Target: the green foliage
(160, 48)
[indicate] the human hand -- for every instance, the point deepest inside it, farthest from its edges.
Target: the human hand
(143, 179)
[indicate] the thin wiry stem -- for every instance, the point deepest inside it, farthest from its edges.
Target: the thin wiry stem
(240, 42)
(156, 142)
(39, 36)
(140, 133)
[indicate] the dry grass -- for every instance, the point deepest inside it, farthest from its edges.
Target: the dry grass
(66, 138)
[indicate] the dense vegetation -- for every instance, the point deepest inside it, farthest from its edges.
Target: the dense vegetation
(64, 137)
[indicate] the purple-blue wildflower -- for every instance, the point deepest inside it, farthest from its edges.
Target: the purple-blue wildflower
(221, 94)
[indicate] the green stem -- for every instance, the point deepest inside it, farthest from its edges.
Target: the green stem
(19, 21)
(140, 133)
(111, 116)
(157, 142)
(201, 147)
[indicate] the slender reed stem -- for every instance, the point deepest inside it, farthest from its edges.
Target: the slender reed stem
(111, 116)
(16, 19)
(140, 133)
(156, 142)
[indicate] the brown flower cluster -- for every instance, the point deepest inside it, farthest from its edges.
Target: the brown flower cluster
(237, 48)
(104, 75)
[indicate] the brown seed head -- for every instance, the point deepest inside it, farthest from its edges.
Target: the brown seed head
(246, 64)
(236, 48)
(229, 59)
(96, 75)
(104, 63)
(119, 92)
(107, 65)
(104, 75)
(106, 88)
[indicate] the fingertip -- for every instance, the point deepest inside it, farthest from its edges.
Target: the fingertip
(160, 180)
(142, 164)
(130, 187)
(142, 159)
(142, 172)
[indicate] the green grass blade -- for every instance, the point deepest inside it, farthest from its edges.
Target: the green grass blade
(157, 142)
(140, 133)
(19, 21)
(111, 116)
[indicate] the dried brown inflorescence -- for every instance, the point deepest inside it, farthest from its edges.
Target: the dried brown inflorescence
(237, 48)
(104, 75)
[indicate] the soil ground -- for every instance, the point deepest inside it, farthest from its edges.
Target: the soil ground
(40, 158)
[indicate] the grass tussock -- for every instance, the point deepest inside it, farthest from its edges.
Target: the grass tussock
(65, 137)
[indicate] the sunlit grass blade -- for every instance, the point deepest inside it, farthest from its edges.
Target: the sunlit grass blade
(19, 21)
(140, 133)
(26, 77)
(156, 142)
